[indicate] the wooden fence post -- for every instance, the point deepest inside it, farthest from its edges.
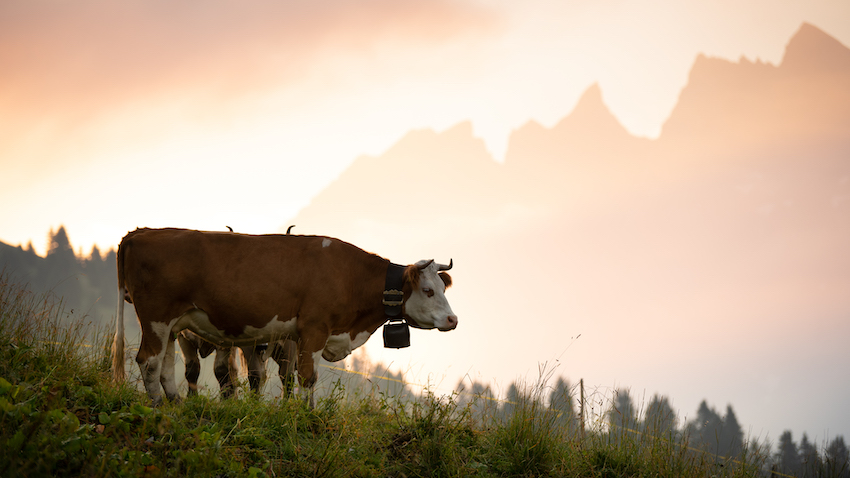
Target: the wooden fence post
(581, 407)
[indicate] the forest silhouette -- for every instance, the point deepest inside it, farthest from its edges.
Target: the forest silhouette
(87, 283)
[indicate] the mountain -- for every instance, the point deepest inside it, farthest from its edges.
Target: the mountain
(745, 106)
(739, 112)
(587, 147)
(413, 184)
(582, 133)
(812, 53)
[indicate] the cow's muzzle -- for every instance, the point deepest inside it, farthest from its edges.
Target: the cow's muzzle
(451, 323)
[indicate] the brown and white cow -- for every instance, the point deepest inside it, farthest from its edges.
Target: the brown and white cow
(238, 289)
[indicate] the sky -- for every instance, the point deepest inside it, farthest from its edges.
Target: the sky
(200, 115)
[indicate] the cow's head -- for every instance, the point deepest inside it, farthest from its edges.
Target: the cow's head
(427, 307)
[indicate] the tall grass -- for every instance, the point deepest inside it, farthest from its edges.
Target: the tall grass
(41, 342)
(60, 415)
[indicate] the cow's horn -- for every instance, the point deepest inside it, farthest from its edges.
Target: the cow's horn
(444, 267)
(423, 264)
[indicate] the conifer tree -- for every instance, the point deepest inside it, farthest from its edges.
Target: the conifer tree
(787, 456)
(731, 435)
(837, 458)
(660, 418)
(561, 402)
(809, 458)
(622, 417)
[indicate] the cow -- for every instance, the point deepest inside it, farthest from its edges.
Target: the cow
(244, 290)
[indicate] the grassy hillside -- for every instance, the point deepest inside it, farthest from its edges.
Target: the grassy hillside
(61, 416)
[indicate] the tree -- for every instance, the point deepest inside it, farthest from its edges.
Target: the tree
(704, 429)
(623, 413)
(94, 259)
(787, 456)
(809, 460)
(731, 442)
(61, 265)
(561, 402)
(513, 400)
(58, 242)
(622, 417)
(659, 418)
(837, 458)
(716, 434)
(479, 397)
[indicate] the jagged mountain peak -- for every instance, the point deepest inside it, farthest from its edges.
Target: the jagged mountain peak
(812, 50)
(590, 113)
(735, 105)
(589, 127)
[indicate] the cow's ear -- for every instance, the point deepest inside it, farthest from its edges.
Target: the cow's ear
(447, 279)
(411, 276)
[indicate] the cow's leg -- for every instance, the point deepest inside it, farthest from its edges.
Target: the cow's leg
(169, 384)
(233, 367)
(309, 350)
(152, 351)
(222, 371)
(254, 358)
(284, 353)
(192, 361)
(150, 368)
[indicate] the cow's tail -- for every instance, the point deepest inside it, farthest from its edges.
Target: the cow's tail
(118, 341)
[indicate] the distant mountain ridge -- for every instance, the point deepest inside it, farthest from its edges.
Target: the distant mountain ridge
(727, 109)
(748, 104)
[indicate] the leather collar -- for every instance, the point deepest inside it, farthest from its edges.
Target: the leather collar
(394, 291)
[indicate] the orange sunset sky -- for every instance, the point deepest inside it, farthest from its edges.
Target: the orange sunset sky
(260, 114)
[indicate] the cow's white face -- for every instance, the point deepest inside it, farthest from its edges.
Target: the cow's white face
(427, 306)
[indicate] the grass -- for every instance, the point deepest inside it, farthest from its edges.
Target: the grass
(60, 415)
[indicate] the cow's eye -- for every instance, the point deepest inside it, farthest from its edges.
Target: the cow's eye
(428, 292)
